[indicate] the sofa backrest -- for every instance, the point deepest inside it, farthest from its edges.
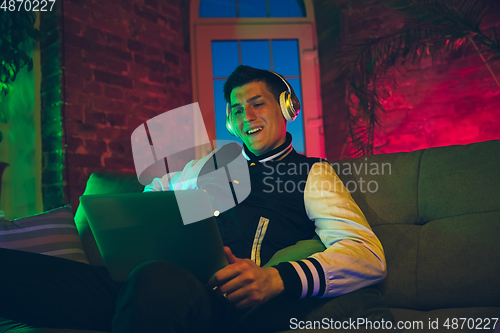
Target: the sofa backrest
(437, 214)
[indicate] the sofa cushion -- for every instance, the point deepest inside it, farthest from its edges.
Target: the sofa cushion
(101, 183)
(383, 186)
(459, 262)
(51, 233)
(477, 319)
(437, 217)
(419, 321)
(364, 303)
(445, 263)
(400, 244)
(459, 252)
(458, 180)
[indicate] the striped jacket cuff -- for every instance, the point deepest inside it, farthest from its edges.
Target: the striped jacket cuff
(304, 278)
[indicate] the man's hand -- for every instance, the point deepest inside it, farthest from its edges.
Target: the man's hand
(246, 284)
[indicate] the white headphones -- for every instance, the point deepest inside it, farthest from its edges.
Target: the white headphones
(289, 104)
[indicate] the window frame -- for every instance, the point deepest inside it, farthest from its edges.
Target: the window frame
(206, 30)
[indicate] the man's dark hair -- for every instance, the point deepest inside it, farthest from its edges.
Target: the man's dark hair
(246, 74)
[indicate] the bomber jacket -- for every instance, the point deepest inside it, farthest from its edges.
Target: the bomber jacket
(292, 198)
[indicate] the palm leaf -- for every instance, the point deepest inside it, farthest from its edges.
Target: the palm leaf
(433, 29)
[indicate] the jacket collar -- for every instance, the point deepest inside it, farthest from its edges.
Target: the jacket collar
(272, 155)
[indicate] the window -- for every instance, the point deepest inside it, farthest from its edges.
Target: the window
(252, 8)
(227, 33)
(264, 54)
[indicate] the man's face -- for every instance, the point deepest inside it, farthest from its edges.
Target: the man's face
(257, 117)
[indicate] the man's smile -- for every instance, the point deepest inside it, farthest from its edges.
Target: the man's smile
(254, 130)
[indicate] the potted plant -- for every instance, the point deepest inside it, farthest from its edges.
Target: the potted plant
(16, 28)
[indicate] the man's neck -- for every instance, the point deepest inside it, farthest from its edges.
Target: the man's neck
(276, 154)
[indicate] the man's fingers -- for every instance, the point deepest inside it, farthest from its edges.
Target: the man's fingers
(243, 298)
(227, 273)
(245, 284)
(234, 284)
(231, 259)
(236, 296)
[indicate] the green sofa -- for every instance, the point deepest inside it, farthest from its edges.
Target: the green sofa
(436, 212)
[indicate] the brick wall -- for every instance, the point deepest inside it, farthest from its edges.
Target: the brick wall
(455, 101)
(51, 105)
(124, 62)
(329, 28)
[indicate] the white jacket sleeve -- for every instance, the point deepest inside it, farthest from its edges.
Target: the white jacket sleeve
(353, 258)
(187, 179)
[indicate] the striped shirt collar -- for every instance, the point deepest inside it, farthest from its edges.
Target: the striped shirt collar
(274, 155)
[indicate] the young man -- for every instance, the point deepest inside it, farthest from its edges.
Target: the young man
(292, 199)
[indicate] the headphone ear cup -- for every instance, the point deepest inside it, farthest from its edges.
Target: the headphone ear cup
(229, 121)
(289, 103)
(287, 107)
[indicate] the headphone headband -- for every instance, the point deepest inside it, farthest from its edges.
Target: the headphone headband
(284, 81)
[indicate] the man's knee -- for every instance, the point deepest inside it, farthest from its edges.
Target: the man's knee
(159, 271)
(160, 279)
(158, 296)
